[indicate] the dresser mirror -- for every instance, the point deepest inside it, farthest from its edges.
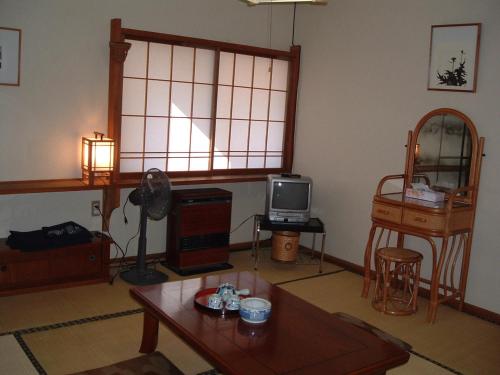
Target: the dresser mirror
(445, 148)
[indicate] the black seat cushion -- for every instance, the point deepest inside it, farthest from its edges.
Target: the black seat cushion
(149, 364)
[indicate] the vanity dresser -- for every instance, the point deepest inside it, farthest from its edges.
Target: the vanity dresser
(445, 153)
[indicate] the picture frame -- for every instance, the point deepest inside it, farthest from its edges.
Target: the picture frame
(10, 56)
(454, 57)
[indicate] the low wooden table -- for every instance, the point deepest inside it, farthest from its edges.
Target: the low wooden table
(298, 338)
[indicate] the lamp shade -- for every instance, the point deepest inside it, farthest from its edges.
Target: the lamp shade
(97, 159)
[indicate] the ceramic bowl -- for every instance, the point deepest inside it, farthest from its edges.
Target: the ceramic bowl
(255, 310)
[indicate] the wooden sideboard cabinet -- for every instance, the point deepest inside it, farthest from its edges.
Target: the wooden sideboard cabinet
(198, 228)
(23, 272)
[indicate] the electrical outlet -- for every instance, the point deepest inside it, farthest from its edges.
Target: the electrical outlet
(95, 208)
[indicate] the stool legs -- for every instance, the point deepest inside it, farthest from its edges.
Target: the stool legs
(415, 286)
(397, 281)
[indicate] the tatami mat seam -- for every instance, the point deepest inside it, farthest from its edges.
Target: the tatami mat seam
(38, 367)
(424, 357)
(70, 323)
(309, 277)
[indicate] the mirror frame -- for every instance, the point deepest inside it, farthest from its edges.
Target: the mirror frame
(476, 152)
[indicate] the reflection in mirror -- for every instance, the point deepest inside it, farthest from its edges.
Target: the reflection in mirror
(443, 151)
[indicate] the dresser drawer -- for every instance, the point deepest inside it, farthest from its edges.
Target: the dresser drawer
(424, 220)
(386, 212)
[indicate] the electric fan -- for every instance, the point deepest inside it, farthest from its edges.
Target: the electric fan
(153, 196)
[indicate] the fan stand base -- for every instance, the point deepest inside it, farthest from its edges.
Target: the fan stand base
(143, 277)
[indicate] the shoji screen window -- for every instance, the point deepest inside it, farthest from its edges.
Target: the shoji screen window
(251, 109)
(202, 110)
(166, 108)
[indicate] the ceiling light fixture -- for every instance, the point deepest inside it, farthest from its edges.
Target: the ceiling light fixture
(260, 2)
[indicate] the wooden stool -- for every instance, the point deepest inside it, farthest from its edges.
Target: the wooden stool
(398, 276)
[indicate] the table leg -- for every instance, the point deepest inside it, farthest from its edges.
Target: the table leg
(322, 252)
(313, 245)
(368, 260)
(149, 333)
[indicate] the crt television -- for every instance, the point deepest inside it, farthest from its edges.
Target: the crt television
(288, 198)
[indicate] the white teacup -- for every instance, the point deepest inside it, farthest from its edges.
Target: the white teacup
(215, 301)
(233, 303)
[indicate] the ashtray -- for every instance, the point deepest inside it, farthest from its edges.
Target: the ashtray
(255, 310)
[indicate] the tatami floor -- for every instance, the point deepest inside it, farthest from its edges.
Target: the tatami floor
(69, 330)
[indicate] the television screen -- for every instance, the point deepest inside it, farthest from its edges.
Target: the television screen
(290, 195)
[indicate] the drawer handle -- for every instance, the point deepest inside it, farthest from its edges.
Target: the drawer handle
(421, 219)
(92, 258)
(383, 212)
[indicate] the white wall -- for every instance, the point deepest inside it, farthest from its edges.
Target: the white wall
(362, 87)
(64, 91)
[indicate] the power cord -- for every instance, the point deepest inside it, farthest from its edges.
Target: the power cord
(243, 222)
(117, 246)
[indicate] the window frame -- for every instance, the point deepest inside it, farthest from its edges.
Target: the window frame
(118, 51)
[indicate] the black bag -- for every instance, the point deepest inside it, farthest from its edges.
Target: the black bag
(61, 235)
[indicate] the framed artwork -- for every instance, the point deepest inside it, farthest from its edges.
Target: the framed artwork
(454, 57)
(10, 56)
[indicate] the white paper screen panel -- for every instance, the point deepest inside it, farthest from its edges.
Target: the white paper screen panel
(204, 66)
(160, 59)
(239, 136)
(260, 104)
(226, 62)
(181, 99)
(180, 130)
(182, 65)
(134, 96)
(168, 104)
(202, 101)
(222, 136)
(275, 134)
(262, 73)
(156, 134)
(224, 99)
(158, 98)
(243, 70)
(257, 140)
(241, 103)
(136, 61)
(132, 134)
(200, 136)
(280, 75)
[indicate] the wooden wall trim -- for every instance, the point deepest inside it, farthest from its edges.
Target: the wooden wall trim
(43, 186)
(76, 184)
(293, 83)
(198, 42)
